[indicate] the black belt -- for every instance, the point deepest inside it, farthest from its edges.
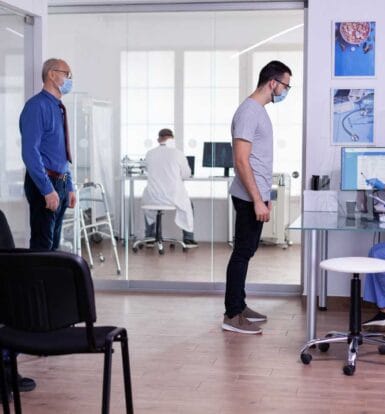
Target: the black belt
(56, 175)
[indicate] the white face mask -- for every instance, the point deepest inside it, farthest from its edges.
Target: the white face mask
(170, 143)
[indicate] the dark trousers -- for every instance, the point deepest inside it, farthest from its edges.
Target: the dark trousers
(247, 235)
(45, 224)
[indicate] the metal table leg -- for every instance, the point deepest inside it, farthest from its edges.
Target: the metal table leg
(311, 274)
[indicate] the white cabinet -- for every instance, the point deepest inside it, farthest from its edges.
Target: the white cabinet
(275, 231)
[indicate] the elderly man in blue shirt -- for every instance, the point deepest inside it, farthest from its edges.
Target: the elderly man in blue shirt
(47, 155)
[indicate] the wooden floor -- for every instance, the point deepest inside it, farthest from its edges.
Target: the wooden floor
(182, 362)
(207, 263)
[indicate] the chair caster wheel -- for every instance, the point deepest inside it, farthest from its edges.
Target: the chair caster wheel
(184, 249)
(306, 358)
(323, 347)
(118, 272)
(161, 252)
(140, 246)
(381, 349)
(135, 249)
(172, 246)
(349, 369)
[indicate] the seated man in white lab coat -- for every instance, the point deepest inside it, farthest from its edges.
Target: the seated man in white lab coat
(167, 167)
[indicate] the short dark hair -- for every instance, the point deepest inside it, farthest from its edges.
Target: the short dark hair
(49, 65)
(165, 132)
(274, 69)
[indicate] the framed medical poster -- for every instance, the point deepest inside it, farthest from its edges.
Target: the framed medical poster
(354, 49)
(352, 116)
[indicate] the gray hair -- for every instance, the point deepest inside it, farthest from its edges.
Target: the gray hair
(49, 65)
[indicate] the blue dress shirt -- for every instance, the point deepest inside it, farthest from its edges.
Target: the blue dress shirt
(43, 141)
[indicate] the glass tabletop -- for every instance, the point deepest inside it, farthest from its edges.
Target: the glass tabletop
(316, 220)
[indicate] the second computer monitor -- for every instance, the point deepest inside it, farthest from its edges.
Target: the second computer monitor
(359, 164)
(191, 163)
(218, 155)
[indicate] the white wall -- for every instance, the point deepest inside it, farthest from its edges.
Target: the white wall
(321, 15)
(33, 7)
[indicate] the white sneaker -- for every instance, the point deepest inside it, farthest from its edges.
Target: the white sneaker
(241, 325)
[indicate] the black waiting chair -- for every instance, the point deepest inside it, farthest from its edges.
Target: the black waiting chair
(6, 239)
(43, 295)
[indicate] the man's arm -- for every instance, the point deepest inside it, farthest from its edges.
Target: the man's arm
(242, 150)
(185, 170)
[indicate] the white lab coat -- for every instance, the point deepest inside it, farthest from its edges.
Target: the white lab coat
(166, 169)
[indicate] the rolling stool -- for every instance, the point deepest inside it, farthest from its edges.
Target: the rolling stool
(158, 239)
(354, 337)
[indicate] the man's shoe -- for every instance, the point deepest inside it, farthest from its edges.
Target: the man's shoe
(240, 324)
(190, 244)
(253, 316)
(25, 384)
(377, 323)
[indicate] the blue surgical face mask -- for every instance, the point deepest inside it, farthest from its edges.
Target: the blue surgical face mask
(280, 98)
(66, 87)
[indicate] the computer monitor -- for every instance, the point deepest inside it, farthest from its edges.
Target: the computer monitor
(191, 163)
(359, 164)
(218, 155)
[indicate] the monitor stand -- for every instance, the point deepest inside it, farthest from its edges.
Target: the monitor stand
(365, 205)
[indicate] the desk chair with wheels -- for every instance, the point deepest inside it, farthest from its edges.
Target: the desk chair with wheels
(158, 239)
(42, 296)
(354, 338)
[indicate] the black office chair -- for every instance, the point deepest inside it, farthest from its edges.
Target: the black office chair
(42, 296)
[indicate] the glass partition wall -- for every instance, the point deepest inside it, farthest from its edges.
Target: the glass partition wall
(12, 201)
(187, 71)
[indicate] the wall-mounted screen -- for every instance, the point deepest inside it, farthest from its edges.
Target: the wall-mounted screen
(360, 164)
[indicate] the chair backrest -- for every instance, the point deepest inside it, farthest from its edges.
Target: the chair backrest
(6, 239)
(44, 291)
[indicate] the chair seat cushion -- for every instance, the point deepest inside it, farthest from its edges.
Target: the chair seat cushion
(158, 207)
(71, 340)
(354, 265)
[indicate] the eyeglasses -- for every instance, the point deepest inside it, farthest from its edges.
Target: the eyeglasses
(287, 86)
(66, 72)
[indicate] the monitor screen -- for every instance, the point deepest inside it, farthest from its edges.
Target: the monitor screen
(191, 163)
(217, 154)
(359, 164)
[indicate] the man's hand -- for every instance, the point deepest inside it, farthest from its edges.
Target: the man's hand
(71, 199)
(52, 201)
(262, 212)
(375, 183)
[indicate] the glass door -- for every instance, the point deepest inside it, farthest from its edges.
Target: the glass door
(12, 200)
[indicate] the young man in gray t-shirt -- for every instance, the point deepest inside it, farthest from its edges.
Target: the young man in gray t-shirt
(252, 134)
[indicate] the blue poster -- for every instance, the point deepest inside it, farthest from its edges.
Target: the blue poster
(354, 49)
(353, 116)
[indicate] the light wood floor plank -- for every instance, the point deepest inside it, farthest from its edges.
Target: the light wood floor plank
(183, 363)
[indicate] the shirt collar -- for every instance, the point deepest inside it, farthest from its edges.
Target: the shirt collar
(50, 96)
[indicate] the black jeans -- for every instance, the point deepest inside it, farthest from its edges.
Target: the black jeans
(45, 224)
(247, 235)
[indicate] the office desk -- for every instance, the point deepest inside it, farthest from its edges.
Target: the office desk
(127, 226)
(316, 226)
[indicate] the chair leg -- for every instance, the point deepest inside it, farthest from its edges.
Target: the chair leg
(3, 385)
(126, 373)
(15, 385)
(107, 378)
(355, 305)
